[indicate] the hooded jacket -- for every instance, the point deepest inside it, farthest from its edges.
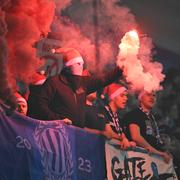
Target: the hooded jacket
(64, 96)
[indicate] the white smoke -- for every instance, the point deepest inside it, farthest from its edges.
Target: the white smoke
(139, 69)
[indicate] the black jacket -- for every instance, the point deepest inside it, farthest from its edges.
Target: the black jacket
(64, 95)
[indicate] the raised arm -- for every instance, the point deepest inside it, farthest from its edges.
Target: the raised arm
(94, 83)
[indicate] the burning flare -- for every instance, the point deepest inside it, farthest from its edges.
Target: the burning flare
(129, 43)
(136, 61)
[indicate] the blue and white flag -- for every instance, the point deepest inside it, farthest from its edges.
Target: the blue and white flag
(136, 164)
(48, 150)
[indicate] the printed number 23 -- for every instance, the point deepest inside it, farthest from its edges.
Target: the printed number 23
(84, 165)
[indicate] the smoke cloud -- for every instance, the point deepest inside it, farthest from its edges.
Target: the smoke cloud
(6, 94)
(26, 22)
(93, 28)
(139, 69)
(21, 24)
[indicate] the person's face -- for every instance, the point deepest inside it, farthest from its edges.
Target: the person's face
(22, 108)
(148, 99)
(77, 69)
(121, 100)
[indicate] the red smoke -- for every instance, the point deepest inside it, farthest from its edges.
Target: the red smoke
(21, 24)
(6, 94)
(26, 21)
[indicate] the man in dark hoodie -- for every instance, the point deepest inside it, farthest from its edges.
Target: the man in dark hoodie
(64, 95)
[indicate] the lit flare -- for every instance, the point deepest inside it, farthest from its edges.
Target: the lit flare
(129, 44)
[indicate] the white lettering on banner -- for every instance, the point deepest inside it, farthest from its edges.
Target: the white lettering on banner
(136, 164)
(84, 165)
(23, 143)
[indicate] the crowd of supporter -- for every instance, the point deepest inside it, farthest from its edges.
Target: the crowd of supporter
(73, 98)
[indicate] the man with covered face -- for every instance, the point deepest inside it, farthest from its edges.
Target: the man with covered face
(64, 95)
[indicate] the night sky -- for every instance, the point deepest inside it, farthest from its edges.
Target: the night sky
(160, 19)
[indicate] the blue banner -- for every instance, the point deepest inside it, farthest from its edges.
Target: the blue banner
(37, 150)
